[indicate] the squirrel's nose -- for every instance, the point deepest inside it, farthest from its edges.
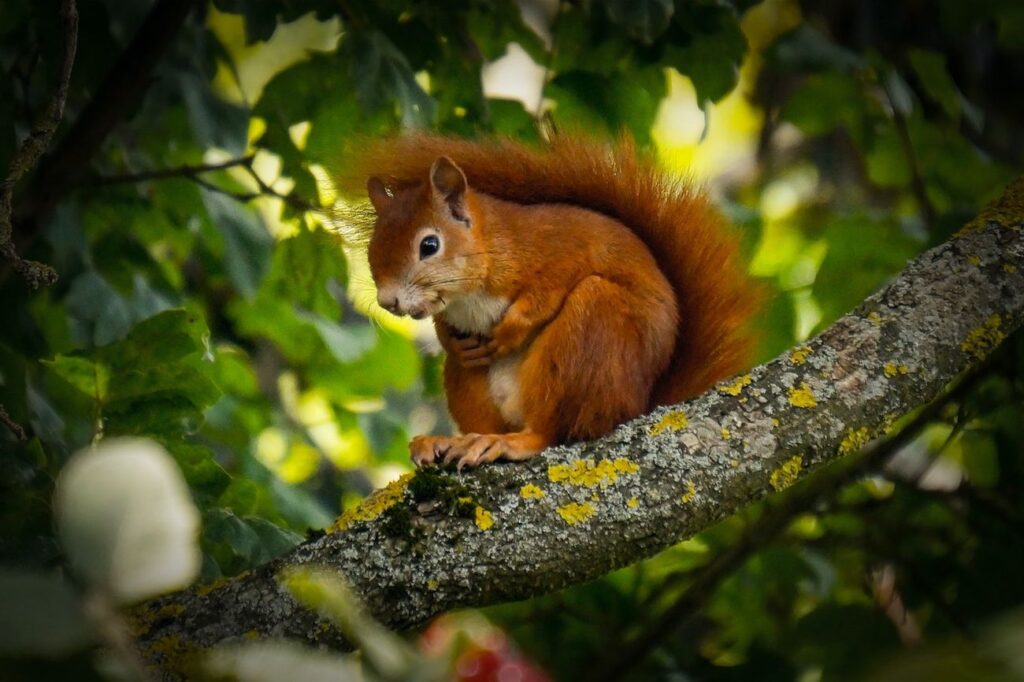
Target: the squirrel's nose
(389, 303)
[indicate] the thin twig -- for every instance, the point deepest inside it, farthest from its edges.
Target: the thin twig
(15, 427)
(917, 183)
(195, 173)
(32, 148)
(174, 172)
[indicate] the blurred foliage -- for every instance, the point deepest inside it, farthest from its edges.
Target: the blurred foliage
(206, 302)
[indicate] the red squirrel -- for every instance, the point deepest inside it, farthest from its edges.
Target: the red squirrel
(573, 285)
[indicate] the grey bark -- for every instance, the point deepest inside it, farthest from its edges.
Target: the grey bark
(576, 512)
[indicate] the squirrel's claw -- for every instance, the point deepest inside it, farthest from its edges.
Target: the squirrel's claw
(427, 450)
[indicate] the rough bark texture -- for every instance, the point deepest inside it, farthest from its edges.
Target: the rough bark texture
(438, 541)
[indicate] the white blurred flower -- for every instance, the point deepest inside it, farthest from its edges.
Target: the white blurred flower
(126, 519)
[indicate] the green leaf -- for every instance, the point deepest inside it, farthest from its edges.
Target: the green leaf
(510, 117)
(494, 24)
(593, 101)
(886, 160)
(854, 265)
(828, 101)
(240, 543)
(980, 458)
(89, 377)
(382, 75)
(347, 343)
(930, 68)
(41, 615)
(644, 20)
(215, 121)
(806, 49)
(97, 313)
(247, 244)
(706, 44)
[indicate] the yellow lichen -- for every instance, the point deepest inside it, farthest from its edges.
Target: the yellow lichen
(982, 340)
(690, 494)
(672, 421)
(736, 387)
(854, 440)
(170, 649)
(574, 513)
(431, 584)
(891, 369)
(799, 355)
(207, 588)
(141, 618)
(374, 505)
(632, 503)
(1009, 267)
(726, 433)
(590, 474)
(786, 475)
(973, 260)
(802, 396)
(251, 634)
(531, 492)
(874, 318)
(483, 518)
(1006, 210)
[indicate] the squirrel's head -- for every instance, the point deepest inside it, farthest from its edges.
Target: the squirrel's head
(425, 249)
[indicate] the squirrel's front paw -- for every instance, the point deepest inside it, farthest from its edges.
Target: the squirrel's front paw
(427, 450)
(508, 336)
(473, 351)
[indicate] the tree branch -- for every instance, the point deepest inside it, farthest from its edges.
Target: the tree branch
(579, 511)
(127, 79)
(774, 520)
(189, 172)
(33, 146)
(195, 173)
(17, 429)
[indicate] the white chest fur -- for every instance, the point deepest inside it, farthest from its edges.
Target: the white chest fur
(475, 313)
(503, 380)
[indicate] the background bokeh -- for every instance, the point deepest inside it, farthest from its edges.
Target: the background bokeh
(211, 301)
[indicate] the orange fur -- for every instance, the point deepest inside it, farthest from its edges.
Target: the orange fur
(624, 287)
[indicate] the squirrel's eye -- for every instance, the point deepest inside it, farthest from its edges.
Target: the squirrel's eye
(429, 245)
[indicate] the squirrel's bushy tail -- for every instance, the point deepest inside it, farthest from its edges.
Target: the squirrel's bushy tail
(695, 247)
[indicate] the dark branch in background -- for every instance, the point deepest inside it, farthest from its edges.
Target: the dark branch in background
(33, 146)
(195, 174)
(774, 520)
(917, 184)
(190, 172)
(577, 512)
(120, 90)
(14, 426)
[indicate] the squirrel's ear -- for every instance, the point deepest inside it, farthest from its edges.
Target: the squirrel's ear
(449, 183)
(378, 192)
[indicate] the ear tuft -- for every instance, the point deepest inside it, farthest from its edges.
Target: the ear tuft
(449, 183)
(378, 193)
